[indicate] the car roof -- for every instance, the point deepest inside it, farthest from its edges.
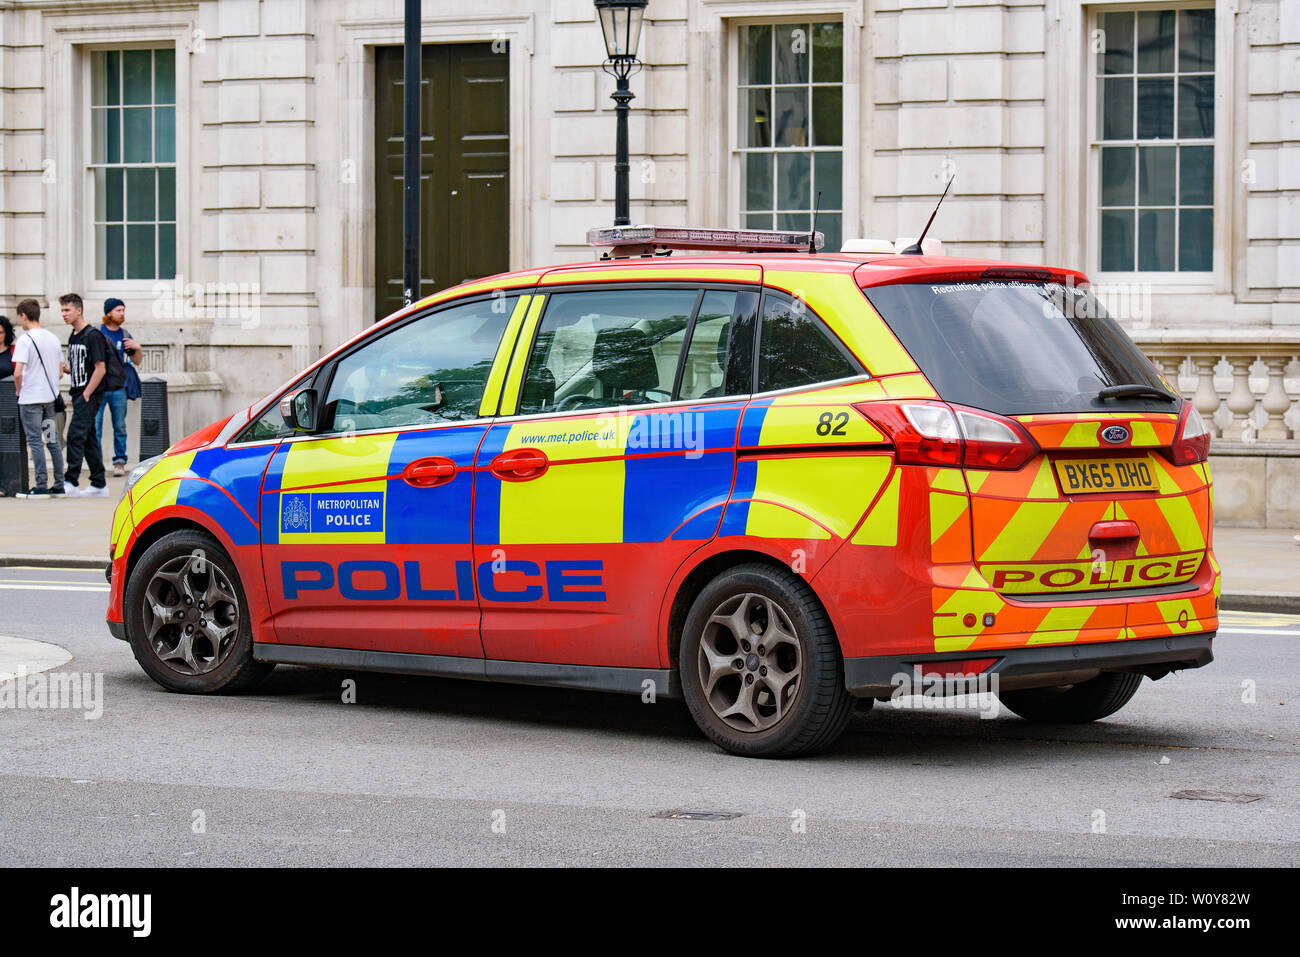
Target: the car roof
(869, 269)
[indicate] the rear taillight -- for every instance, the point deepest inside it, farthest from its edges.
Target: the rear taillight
(1192, 441)
(936, 433)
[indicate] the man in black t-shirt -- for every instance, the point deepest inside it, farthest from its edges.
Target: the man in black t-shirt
(87, 358)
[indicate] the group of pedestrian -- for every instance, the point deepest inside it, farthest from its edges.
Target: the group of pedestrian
(99, 366)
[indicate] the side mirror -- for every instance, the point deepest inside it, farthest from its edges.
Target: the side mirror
(299, 410)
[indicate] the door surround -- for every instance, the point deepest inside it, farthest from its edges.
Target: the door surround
(353, 187)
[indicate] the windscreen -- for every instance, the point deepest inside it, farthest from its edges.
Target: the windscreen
(1017, 347)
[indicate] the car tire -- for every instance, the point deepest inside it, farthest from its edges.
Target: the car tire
(787, 698)
(187, 617)
(1074, 704)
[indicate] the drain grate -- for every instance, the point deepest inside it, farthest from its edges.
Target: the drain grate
(1227, 797)
(697, 815)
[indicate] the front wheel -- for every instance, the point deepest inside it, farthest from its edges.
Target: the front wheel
(1074, 704)
(760, 665)
(187, 619)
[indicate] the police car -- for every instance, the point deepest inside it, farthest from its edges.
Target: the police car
(767, 480)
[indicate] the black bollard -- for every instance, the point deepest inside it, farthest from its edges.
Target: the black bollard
(153, 418)
(13, 446)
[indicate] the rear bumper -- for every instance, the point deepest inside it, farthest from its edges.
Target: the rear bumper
(1041, 665)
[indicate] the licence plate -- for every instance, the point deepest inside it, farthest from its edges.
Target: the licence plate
(1084, 476)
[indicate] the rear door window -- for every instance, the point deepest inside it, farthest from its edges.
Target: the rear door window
(795, 348)
(719, 359)
(1017, 347)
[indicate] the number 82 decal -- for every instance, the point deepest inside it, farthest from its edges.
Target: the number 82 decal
(832, 423)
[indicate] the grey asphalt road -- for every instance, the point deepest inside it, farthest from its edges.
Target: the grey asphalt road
(428, 771)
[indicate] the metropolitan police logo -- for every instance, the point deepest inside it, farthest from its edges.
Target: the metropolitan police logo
(1115, 434)
(295, 514)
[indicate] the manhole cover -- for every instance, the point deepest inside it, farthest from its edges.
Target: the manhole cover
(1227, 797)
(697, 815)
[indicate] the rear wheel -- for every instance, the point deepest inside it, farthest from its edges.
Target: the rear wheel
(1074, 704)
(760, 666)
(187, 619)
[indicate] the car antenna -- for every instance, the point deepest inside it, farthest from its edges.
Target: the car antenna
(915, 248)
(812, 234)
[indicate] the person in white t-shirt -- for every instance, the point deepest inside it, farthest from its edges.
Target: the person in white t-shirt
(36, 380)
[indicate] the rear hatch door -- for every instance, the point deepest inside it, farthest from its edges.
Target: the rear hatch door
(1099, 508)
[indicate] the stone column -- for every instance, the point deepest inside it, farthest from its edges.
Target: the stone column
(1276, 401)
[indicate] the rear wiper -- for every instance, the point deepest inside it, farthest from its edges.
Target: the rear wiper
(1135, 389)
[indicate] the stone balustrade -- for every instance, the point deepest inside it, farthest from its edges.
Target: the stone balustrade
(1249, 392)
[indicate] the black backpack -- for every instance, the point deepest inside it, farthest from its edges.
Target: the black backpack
(114, 370)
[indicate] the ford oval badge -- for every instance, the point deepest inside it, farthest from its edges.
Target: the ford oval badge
(1115, 434)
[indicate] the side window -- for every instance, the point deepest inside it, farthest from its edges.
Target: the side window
(796, 349)
(269, 426)
(604, 348)
(271, 423)
(428, 371)
(715, 365)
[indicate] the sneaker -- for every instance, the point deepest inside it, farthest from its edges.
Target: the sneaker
(34, 492)
(119, 468)
(95, 491)
(70, 490)
(56, 488)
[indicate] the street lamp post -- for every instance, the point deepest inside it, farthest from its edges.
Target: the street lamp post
(411, 155)
(620, 21)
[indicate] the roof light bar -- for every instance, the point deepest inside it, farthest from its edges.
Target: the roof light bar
(646, 240)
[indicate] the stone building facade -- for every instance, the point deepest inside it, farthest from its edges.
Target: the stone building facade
(1155, 145)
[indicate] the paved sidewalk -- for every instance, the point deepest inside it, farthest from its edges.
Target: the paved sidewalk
(1261, 566)
(59, 529)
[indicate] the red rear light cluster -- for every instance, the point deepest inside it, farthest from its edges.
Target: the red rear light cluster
(938, 433)
(1191, 441)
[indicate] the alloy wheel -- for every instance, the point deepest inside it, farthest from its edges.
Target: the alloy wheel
(191, 614)
(750, 662)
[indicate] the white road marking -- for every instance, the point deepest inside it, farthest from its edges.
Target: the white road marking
(7, 586)
(46, 581)
(1259, 631)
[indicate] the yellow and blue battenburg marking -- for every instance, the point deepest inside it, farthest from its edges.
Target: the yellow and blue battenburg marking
(640, 476)
(221, 483)
(349, 490)
(807, 476)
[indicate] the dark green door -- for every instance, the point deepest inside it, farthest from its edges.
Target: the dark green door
(465, 165)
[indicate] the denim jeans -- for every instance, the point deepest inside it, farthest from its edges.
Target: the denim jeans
(42, 433)
(115, 402)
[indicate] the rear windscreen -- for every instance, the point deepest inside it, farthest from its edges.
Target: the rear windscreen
(1017, 347)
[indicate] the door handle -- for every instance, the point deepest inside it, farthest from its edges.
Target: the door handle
(1113, 531)
(429, 472)
(520, 465)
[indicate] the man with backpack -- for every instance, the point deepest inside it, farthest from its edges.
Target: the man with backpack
(89, 365)
(119, 341)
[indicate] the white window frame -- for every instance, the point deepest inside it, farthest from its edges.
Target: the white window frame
(737, 151)
(69, 211)
(1218, 279)
(714, 55)
(90, 166)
